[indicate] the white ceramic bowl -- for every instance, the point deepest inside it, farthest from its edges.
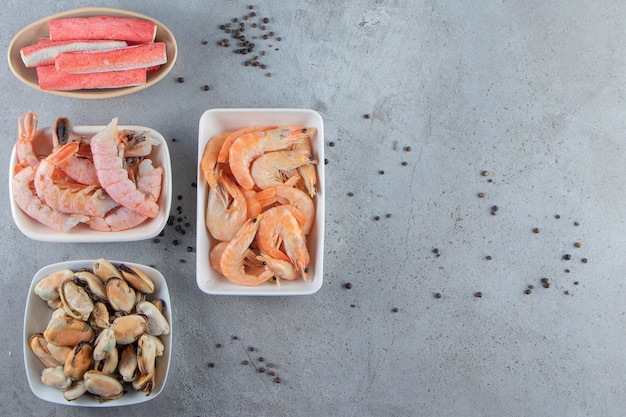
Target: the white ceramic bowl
(38, 314)
(149, 228)
(216, 121)
(39, 29)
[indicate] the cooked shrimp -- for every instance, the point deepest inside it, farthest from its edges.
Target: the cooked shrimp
(232, 259)
(296, 198)
(278, 226)
(136, 143)
(223, 220)
(27, 127)
(208, 163)
(80, 166)
(267, 170)
(307, 171)
(148, 181)
(109, 162)
(215, 256)
(250, 146)
(224, 154)
(69, 197)
(280, 269)
(252, 204)
(27, 200)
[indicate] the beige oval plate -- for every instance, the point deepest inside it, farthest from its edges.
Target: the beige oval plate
(40, 29)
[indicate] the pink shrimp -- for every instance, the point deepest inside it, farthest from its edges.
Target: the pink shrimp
(250, 146)
(27, 127)
(235, 253)
(278, 226)
(113, 175)
(68, 197)
(149, 180)
(26, 198)
(267, 170)
(80, 166)
(295, 198)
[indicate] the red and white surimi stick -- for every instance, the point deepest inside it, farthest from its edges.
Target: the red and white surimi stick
(131, 57)
(44, 52)
(128, 29)
(50, 79)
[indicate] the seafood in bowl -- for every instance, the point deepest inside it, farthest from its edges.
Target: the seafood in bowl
(81, 184)
(97, 333)
(260, 202)
(119, 36)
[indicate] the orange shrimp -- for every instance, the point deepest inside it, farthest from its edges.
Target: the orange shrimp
(110, 166)
(280, 269)
(250, 146)
(252, 204)
(307, 171)
(208, 163)
(232, 259)
(223, 220)
(267, 170)
(296, 198)
(278, 226)
(224, 153)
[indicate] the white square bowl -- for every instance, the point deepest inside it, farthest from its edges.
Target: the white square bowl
(36, 317)
(216, 121)
(31, 228)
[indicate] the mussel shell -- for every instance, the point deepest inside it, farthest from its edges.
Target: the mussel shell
(40, 348)
(55, 377)
(60, 353)
(129, 328)
(120, 295)
(75, 391)
(108, 365)
(102, 386)
(94, 286)
(104, 270)
(100, 318)
(48, 287)
(144, 383)
(78, 361)
(127, 366)
(137, 279)
(104, 344)
(76, 302)
(68, 331)
(148, 348)
(157, 323)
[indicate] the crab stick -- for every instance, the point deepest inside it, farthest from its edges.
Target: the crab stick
(130, 57)
(44, 52)
(128, 29)
(50, 79)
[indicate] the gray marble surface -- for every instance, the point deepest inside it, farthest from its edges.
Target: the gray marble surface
(533, 92)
